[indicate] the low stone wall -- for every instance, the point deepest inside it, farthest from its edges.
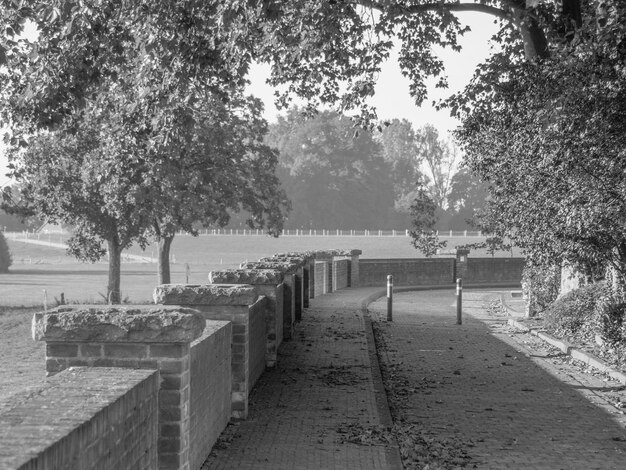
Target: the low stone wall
(269, 284)
(322, 276)
(407, 272)
(210, 389)
(137, 337)
(85, 418)
(240, 305)
(341, 273)
(162, 381)
(199, 353)
(441, 271)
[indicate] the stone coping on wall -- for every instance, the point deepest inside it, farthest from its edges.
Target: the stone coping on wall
(205, 294)
(298, 260)
(114, 323)
(306, 255)
(285, 267)
(247, 276)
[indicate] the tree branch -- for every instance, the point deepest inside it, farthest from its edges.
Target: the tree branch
(453, 7)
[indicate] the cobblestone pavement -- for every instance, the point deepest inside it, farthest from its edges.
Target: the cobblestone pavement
(318, 406)
(511, 402)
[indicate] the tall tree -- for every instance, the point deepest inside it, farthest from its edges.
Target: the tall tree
(157, 74)
(549, 139)
(400, 150)
(423, 220)
(442, 158)
(88, 179)
(333, 178)
(467, 198)
(215, 165)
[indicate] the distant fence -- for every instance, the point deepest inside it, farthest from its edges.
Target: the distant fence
(56, 237)
(339, 233)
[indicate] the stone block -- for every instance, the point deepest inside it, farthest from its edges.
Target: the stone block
(306, 255)
(287, 259)
(247, 276)
(286, 267)
(99, 324)
(206, 294)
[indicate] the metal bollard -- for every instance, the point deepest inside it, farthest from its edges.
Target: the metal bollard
(389, 297)
(459, 301)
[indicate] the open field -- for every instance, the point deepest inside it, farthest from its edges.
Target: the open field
(37, 268)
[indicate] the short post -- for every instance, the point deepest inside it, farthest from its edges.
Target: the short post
(389, 297)
(459, 301)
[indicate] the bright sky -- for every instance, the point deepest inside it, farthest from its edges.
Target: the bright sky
(392, 98)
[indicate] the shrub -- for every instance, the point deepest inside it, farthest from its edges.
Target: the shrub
(575, 314)
(540, 286)
(5, 255)
(609, 321)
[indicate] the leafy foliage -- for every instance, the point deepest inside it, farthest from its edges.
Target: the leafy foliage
(548, 138)
(466, 199)
(424, 238)
(587, 312)
(400, 150)
(144, 105)
(333, 178)
(331, 52)
(610, 320)
(540, 285)
(5, 255)
(572, 315)
(441, 158)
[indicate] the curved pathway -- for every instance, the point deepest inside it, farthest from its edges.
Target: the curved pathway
(510, 401)
(317, 409)
(478, 395)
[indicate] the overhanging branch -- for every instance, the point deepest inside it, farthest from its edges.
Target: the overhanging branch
(453, 7)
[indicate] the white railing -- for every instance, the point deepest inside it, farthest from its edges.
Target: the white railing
(61, 238)
(335, 233)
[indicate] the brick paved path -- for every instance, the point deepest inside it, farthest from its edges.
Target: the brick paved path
(519, 407)
(321, 394)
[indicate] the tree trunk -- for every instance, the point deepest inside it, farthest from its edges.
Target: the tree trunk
(164, 259)
(115, 259)
(533, 36)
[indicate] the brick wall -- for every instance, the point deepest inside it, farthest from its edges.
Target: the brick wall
(424, 272)
(312, 278)
(84, 418)
(321, 277)
(134, 337)
(210, 389)
(289, 305)
(172, 360)
(406, 272)
(298, 294)
(273, 320)
(181, 378)
(341, 273)
(257, 340)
